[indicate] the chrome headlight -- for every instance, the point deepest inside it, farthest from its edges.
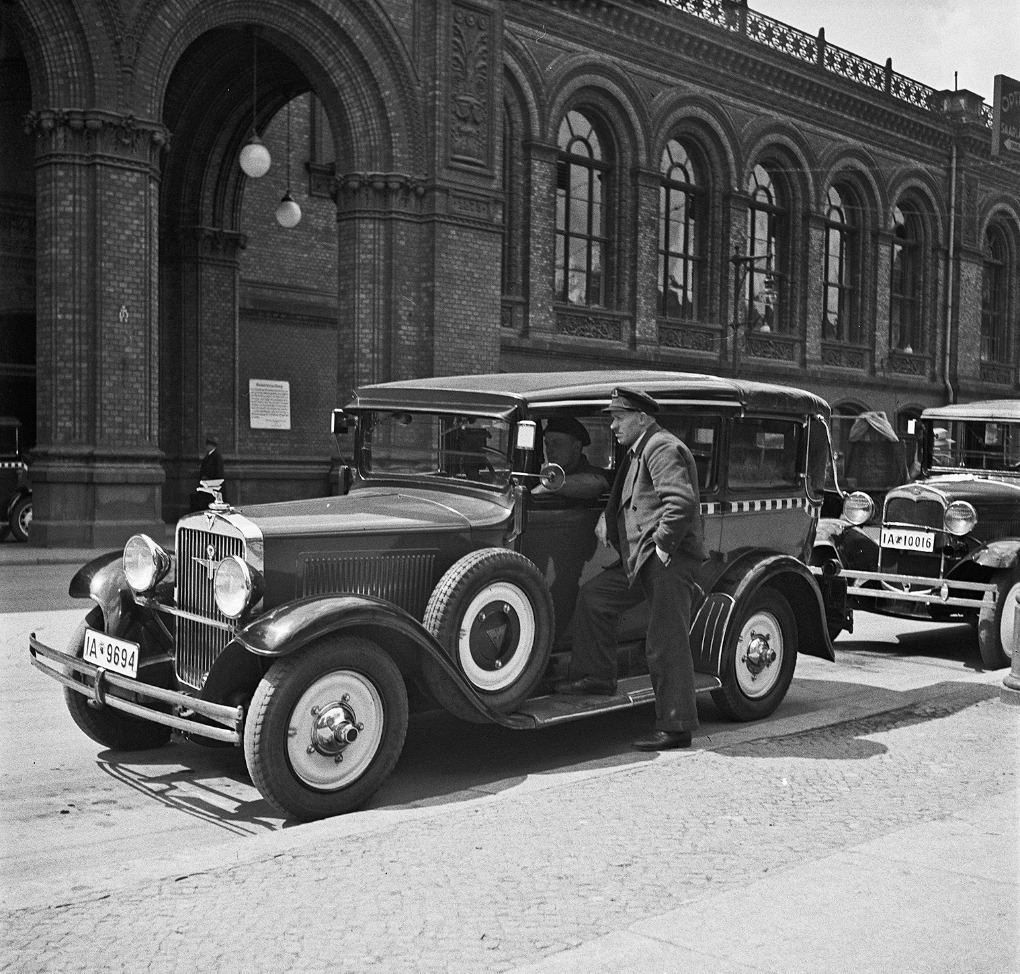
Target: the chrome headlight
(145, 563)
(234, 586)
(960, 518)
(858, 508)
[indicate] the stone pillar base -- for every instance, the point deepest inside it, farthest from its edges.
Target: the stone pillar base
(84, 498)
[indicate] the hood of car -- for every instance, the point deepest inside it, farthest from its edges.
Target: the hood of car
(982, 492)
(374, 510)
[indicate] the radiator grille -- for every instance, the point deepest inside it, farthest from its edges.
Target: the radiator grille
(404, 579)
(903, 510)
(198, 644)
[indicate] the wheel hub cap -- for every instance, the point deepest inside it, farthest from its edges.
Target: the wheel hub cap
(495, 636)
(334, 727)
(759, 655)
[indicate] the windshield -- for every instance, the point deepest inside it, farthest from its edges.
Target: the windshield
(974, 445)
(415, 444)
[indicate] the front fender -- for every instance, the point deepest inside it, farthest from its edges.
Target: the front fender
(1004, 553)
(795, 581)
(290, 627)
(103, 581)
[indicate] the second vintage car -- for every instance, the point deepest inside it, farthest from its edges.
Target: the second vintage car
(446, 575)
(944, 546)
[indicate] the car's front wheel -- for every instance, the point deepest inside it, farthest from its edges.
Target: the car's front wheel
(761, 664)
(105, 725)
(996, 623)
(326, 727)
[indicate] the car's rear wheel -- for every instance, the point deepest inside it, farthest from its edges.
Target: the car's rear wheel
(21, 519)
(326, 727)
(996, 623)
(111, 728)
(761, 664)
(493, 614)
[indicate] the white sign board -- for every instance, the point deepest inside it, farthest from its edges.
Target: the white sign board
(269, 404)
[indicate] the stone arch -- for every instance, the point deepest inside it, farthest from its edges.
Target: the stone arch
(609, 93)
(348, 55)
(784, 145)
(56, 47)
(704, 122)
(853, 164)
(923, 188)
(524, 86)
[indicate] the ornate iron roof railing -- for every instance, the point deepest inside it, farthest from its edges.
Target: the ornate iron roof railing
(737, 18)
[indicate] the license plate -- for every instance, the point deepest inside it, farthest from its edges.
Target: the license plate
(110, 653)
(908, 540)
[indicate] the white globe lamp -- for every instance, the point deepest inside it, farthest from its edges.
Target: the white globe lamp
(288, 213)
(255, 158)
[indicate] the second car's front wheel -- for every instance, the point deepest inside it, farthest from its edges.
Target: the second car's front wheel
(326, 727)
(996, 622)
(762, 660)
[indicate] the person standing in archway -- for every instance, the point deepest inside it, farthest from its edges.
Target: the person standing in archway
(210, 477)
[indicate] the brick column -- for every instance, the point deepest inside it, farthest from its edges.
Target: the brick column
(199, 356)
(96, 471)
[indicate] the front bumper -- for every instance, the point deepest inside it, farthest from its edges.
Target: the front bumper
(227, 723)
(934, 591)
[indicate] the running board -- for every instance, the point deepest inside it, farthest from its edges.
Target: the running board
(558, 708)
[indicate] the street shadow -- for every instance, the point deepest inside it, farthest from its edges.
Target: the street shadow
(952, 642)
(852, 740)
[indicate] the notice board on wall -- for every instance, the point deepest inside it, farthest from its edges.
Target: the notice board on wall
(269, 404)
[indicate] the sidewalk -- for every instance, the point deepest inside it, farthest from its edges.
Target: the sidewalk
(885, 843)
(17, 553)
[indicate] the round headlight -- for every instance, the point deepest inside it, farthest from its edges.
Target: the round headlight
(233, 586)
(960, 518)
(145, 562)
(858, 508)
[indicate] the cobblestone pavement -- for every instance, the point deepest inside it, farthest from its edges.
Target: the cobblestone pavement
(506, 880)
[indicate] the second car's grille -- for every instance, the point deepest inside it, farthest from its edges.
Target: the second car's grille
(910, 563)
(198, 644)
(924, 513)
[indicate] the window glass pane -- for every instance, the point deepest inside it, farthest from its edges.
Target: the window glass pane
(763, 454)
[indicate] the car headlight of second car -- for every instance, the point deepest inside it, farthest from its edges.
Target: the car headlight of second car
(858, 508)
(960, 518)
(235, 586)
(145, 563)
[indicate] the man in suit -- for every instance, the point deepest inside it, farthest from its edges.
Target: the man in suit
(210, 476)
(653, 519)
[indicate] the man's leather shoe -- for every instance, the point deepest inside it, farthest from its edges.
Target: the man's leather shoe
(586, 686)
(661, 740)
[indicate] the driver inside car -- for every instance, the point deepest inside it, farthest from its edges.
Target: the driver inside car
(565, 439)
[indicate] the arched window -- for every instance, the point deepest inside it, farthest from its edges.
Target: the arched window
(995, 298)
(905, 311)
(766, 225)
(680, 257)
(581, 244)
(840, 315)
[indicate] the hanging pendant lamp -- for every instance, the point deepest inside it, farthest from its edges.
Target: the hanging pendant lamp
(288, 213)
(255, 158)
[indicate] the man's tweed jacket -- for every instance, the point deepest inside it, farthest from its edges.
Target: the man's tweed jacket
(655, 501)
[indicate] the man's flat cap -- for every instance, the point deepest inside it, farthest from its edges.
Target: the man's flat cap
(631, 400)
(570, 426)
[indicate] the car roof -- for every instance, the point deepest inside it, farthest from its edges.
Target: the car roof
(504, 392)
(1007, 410)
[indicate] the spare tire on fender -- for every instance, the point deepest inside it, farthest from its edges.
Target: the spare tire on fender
(493, 614)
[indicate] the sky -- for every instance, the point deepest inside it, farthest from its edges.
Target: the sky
(927, 39)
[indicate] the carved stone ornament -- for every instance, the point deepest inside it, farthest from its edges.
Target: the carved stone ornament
(377, 190)
(470, 86)
(91, 132)
(585, 324)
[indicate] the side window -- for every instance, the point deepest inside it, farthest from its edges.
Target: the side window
(583, 445)
(700, 433)
(763, 454)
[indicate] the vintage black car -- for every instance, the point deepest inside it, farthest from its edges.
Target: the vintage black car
(15, 489)
(946, 545)
(446, 575)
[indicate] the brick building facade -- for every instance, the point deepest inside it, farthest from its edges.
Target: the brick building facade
(485, 185)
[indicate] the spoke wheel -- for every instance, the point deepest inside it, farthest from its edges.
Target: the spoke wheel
(326, 727)
(21, 519)
(763, 657)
